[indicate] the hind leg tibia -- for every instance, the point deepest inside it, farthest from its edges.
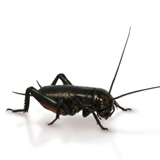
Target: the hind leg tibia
(63, 78)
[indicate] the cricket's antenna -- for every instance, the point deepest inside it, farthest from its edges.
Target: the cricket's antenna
(119, 62)
(135, 92)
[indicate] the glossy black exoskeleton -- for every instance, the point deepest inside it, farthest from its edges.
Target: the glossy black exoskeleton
(68, 99)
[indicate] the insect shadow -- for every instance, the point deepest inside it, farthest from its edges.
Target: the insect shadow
(74, 130)
(68, 99)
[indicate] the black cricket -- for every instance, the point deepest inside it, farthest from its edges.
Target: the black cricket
(68, 99)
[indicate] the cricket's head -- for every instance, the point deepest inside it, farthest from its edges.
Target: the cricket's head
(103, 103)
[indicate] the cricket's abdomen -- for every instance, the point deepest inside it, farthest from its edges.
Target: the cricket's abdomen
(71, 98)
(52, 108)
(69, 94)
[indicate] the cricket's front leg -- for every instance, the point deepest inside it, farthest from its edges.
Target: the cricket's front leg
(123, 109)
(98, 122)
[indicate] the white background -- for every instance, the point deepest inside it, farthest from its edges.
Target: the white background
(84, 40)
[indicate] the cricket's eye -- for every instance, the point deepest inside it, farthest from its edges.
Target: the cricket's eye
(101, 100)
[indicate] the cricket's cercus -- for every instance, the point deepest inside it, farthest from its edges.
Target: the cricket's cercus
(68, 99)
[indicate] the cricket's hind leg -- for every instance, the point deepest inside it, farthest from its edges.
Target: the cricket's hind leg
(31, 91)
(46, 101)
(63, 78)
